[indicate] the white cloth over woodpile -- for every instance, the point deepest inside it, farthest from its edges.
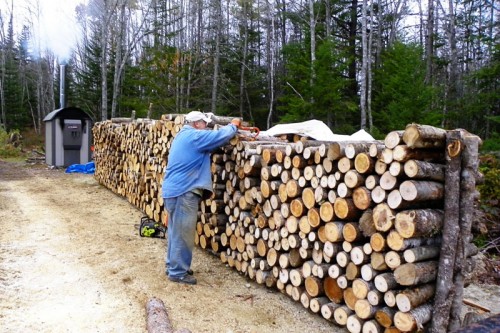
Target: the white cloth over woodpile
(317, 130)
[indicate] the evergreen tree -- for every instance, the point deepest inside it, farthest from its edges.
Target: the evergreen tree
(400, 93)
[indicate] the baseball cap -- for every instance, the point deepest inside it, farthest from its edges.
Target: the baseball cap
(197, 115)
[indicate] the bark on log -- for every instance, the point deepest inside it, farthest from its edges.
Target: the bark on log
(424, 136)
(419, 222)
(385, 316)
(415, 319)
(394, 138)
(412, 190)
(385, 281)
(421, 253)
(157, 317)
(451, 230)
(366, 224)
(328, 309)
(364, 309)
(424, 170)
(341, 314)
(469, 177)
(416, 273)
(403, 153)
(409, 299)
(345, 209)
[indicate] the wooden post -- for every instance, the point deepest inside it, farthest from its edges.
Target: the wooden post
(444, 286)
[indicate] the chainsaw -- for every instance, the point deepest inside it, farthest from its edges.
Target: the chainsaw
(253, 131)
(150, 228)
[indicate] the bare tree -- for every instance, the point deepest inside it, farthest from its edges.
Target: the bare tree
(364, 64)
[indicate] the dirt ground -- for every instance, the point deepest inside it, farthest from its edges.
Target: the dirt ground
(71, 260)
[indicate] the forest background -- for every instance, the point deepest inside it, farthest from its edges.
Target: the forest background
(376, 65)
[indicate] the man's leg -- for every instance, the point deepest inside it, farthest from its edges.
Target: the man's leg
(183, 214)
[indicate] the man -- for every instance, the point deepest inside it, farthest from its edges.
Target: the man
(187, 181)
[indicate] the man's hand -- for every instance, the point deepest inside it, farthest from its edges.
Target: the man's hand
(236, 122)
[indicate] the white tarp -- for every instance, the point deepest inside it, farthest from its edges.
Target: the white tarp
(317, 130)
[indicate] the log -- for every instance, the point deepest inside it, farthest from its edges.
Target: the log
(326, 211)
(415, 319)
(424, 170)
(364, 309)
(316, 303)
(419, 222)
(353, 179)
(377, 261)
(393, 259)
(394, 138)
(364, 164)
(333, 231)
(378, 194)
(424, 136)
(366, 224)
(385, 316)
(345, 209)
(398, 243)
(361, 197)
(403, 153)
(412, 190)
(378, 242)
(352, 271)
(157, 320)
(410, 299)
(341, 314)
(351, 232)
(354, 324)
(421, 253)
(469, 176)
(411, 274)
(375, 297)
(390, 297)
(383, 217)
(385, 282)
(361, 288)
(314, 286)
(328, 309)
(371, 326)
(332, 290)
(451, 229)
(367, 272)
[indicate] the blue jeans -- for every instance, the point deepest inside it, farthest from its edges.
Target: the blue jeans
(182, 217)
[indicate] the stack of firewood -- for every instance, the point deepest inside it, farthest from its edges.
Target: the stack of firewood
(352, 230)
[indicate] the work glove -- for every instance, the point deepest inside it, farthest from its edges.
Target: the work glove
(236, 122)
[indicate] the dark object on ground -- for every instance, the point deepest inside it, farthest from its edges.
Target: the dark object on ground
(488, 325)
(187, 279)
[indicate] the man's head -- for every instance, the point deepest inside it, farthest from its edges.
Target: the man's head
(197, 119)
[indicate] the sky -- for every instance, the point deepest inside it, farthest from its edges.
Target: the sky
(55, 28)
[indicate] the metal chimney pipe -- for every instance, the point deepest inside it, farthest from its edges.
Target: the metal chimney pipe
(61, 86)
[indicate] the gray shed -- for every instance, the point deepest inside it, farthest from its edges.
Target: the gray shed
(68, 137)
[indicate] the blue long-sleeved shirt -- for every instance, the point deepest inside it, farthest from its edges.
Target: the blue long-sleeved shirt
(188, 165)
